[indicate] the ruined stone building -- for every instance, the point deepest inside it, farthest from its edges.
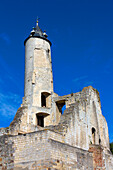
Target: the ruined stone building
(40, 136)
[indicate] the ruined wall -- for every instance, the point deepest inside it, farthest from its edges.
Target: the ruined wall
(83, 114)
(19, 123)
(46, 150)
(41, 150)
(63, 146)
(66, 145)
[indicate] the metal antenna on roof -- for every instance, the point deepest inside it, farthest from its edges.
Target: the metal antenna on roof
(37, 21)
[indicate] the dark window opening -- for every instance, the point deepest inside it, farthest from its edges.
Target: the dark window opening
(99, 141)
(61, 106)
(93, 135)
(48, 52)
(40, 121)
(93, 130)
(43, 100)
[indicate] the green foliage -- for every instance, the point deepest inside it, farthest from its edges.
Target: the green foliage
(111, 147)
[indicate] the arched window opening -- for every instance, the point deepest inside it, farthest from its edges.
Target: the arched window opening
(93, 135)
(61, 106)
(45, 99)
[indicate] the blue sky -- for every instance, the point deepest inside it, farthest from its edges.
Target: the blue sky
(81, 32)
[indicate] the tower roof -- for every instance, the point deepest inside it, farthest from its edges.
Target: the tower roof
(37, 33)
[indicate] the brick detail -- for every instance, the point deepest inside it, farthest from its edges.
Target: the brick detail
(98, 161)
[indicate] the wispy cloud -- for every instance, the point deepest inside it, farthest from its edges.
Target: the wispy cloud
(7, 110)
(88, 83)
(9, 97)
(82, 81)
(9, 104)
(9, 100)
(5, 37)
(79, 78)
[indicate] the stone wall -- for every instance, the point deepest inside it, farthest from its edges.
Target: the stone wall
(109, 161)
(41, 150)
(83, 114)
(47, 150)
(66, 145)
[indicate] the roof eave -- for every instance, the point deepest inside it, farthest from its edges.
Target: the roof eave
(37, 37)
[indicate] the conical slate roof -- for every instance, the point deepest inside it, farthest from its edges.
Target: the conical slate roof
(37, 33)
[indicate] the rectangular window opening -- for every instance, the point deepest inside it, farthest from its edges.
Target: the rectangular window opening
(40, 121)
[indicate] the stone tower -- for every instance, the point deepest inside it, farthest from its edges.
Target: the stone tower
(38, 77)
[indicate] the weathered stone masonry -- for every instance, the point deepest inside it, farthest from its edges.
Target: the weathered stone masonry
(40, 136)
(48, 153)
